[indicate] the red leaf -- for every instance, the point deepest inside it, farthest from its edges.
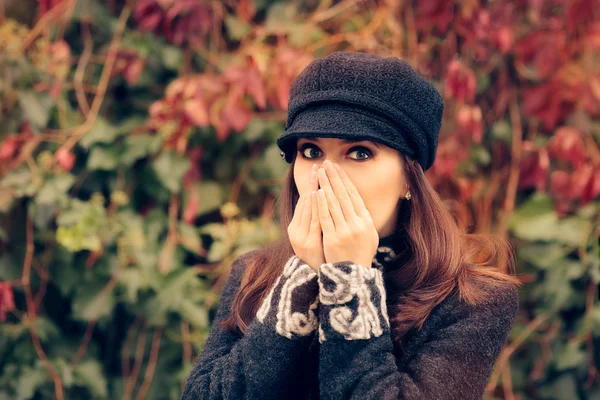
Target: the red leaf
(196, 111)
(7, 300)
(460, 82)
(191, 208)
(245, 10)
(65, 159)
(255, 86)
(438, 12)
(534, 167)
(567, 144)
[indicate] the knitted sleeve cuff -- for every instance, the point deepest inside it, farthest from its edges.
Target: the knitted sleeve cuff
(290, 307)
(353, 302)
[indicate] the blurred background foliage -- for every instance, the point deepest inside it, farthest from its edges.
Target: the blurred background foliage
(138, 159)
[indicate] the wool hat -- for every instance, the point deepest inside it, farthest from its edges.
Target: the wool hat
(362, 96)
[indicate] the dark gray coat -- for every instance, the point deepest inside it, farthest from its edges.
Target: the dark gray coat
(327, 336)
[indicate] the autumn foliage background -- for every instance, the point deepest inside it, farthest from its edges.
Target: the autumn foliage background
(138, 159)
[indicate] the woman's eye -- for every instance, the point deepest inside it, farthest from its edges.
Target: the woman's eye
(309, 154)
(363, 152)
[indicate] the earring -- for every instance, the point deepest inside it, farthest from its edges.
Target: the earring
(407, 196)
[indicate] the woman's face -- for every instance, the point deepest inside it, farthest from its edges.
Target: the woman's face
(374, 168)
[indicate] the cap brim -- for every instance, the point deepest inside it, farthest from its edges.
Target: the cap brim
(342, 124)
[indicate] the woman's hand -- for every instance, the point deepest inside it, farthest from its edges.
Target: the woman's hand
(348, 230)
(304, 231)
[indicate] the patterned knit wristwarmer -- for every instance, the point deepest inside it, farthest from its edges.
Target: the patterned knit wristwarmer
(290, 307)
(353, 302)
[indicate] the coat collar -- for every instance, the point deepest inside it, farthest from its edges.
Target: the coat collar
(388, 250)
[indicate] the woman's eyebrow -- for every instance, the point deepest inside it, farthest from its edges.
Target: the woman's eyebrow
(316, 139)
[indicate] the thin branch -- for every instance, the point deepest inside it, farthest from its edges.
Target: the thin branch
(32, 313)
(515, 163)
(139, 357)
(80, 70)
(151, 367)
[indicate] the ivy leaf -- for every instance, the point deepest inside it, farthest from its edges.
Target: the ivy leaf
(139, 146)
(30, 379)
(189, 238)
(54, 189)
(103, 158)
(570, 356)
(36, 107)
(170, 168)
(65, 370)
(89, 303)
(537, 220)
(543, 255)
(209, 193)
(133, 279)
(236, 29)
(194, 313)
(89, 374)
(83, 225)
(172, 57)
(102, 132)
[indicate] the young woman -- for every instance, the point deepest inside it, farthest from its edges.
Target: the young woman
(373, 292)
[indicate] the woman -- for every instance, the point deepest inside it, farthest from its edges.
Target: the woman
(373, 292)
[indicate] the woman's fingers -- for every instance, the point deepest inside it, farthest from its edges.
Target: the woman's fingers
(340, 190)
(357, 201)
(296, 218)
(324, 215)
(315, 226)
(334, 207)
(306, 215)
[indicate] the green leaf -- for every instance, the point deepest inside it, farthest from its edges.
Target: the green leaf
(88, 10)
(279, 16)
(83, 225)
(480, 155)
(172, 57)
(537, 220)
(102, 132)
(570, 356)
(236, 29)
(543, 255)
(304, 33)
(501, 130)
(270, 166)
(194, 313)
(259, 128)
(103, 158)
(46, 329)
(170, 168)
(65, 370)
(210, 195)
(189, 237)
(89, 374)
(36, 107)
(30, 380)
(218, 250)
(175, 284)
(54, 189)
(133, 279)
(89, 303)
(139, 146)
(21, 180)
(10, 269)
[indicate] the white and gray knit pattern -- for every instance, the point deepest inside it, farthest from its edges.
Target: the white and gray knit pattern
(353, 299)
(291, 316)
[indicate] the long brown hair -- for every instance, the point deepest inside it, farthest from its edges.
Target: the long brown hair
(437, 259)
